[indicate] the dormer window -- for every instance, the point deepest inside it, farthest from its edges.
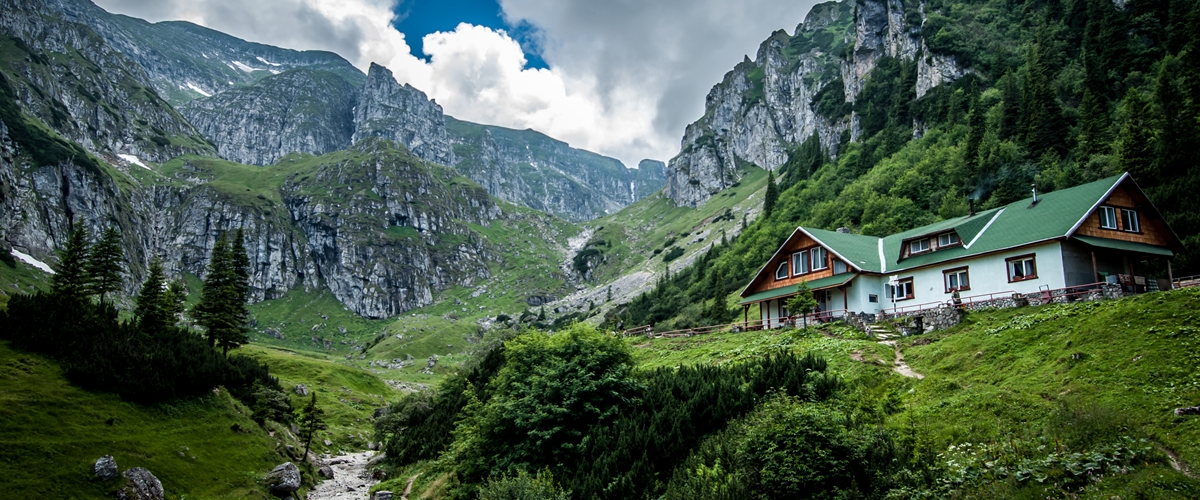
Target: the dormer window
(918, 246)
(947, 239)
(781, 272)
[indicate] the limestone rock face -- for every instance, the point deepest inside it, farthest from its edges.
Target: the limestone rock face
(298, 111)
(283, 480)
(764, 107)
(141, 485)
(105, 468)
(528, 168)
(401, 113)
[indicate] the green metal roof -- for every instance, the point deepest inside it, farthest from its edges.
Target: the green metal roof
(859, 250)
(821, 284)
(1125, 246)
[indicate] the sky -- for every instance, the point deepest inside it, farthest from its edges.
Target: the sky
(622, 78)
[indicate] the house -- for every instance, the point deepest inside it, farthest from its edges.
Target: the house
(1085, 236)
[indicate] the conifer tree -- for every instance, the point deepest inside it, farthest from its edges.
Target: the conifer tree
(150, 310)
(1093, 125)
(174, 299)
(771, 196)
(104, 264)
(222, 308)
(978, 126)
(310, 420)
(1010, 122)
(70, 276)
(1135, 146)
(1173, 132)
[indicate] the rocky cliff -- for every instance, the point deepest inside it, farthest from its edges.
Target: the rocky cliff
(799, 85)
(531, 169)
(185, 61)
(401, 113)
(300, 110)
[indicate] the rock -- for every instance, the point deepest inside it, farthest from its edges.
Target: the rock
(380, 412)
(141, 485)
(376, 460)
(401, 113)
(325, 471)
(283, 480)
(1187, 410)
(328, 442)
(371, 445)
(383, 495)
(301, 390)
(105, 468)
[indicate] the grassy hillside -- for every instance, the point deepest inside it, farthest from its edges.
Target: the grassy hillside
(1016, 390)
(51, 433)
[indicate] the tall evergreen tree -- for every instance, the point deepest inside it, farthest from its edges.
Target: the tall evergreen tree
(70, 275)
(174, 299)
(1173, 132)
(1010, 122)
(222, 308)
(978, 125)
(1135, 146)
(310, 420)
(104, 265)
(1093, 136)
(771, 196)
(151, 311)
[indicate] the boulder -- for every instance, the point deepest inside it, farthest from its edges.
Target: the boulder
(325, 471)
(382, 495)
(105, 468)
(328, 442)
(141, 485)
(283, 480)
(301, 390)
(1187, 410)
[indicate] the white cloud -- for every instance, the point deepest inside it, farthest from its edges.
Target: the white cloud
(625, 76)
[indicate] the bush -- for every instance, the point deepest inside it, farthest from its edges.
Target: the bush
(523, 486)
(672, 254)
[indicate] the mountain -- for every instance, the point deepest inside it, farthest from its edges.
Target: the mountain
(401, 113)
(531, 169)
(185, 61)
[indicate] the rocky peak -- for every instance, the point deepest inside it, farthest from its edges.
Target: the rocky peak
(300, 110)
(401, 113)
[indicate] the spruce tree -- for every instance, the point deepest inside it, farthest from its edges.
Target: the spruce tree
(310, 420)
(1093, 136)
(1135, 146)
(104, 265)
(1172, 130)
(1010, 122)
(70, 275)
(150, 310)
(771, 196)
(174, 300)
(978, 126)
(222, 308)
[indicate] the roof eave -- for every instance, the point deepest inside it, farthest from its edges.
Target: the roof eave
(767, 263)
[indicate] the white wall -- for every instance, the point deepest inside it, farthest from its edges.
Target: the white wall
(987, 274)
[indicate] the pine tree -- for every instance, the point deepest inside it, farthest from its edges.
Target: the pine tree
(978, 126)
(150, 310)
(174, 300)
(222, 308)
(310, 420)
(1135, 146)
(1173, 132)
(104, 265)
(70, 276)
(1093, 136)
(771, 196)
(1010, 123)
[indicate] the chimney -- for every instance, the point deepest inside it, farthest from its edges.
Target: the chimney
(971, 204)
(843, 230)
(1035, 199)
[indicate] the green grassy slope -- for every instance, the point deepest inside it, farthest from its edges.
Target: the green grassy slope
(52, 432)
(1017, 386)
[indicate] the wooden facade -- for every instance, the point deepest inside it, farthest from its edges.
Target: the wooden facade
(1154, 231)
(798, 242)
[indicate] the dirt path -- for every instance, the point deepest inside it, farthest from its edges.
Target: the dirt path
(1173, 458)
(900, 366)
(351, 479)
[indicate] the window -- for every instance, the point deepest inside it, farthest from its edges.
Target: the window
(903, 290)
(1108, 217)
(1130, 218)
(781, 272)
(839, 267)
(918, 246)
(872, 298)
(956, 279)
(800, 262)
(819, 259)
(1021, 268)
(947, 239)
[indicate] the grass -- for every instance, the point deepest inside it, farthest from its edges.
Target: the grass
(19, 277)
(51, 433)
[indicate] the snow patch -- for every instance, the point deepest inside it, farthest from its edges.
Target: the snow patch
(244, 67)
(268, 63)
(134, 160)
(198, 89)
(274, 71)
(28, 259)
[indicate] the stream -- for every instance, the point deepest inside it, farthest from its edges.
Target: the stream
(351, 479)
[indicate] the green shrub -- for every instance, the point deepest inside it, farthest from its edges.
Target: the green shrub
(523, 486)
(672, 254)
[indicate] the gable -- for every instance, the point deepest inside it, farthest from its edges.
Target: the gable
(1151, 230)
(800, 241)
